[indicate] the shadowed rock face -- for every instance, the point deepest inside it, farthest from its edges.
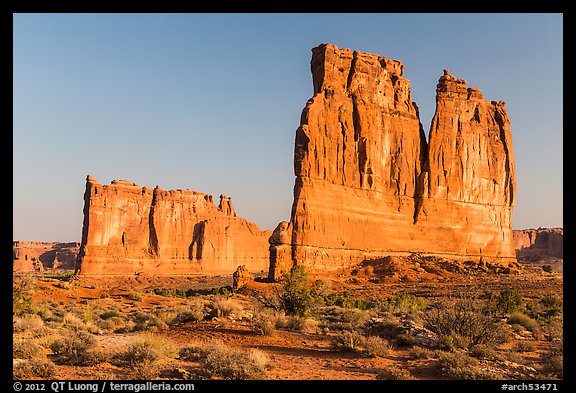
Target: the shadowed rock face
(128, 229)
(368, 184)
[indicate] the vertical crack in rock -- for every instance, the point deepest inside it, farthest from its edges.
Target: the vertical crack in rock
(153, 248)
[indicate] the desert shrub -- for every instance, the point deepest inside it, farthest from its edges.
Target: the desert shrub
(344, 300)
(394, 373)
(74, 322)
(264, 324)
(167, 317)
(547, 268)
(192, 353)
(145, 370)
(224, 291)
(339, 318)
(403, 303)
(109, 314)
(25, 349)
(551, 301)
(422, 353)
(27, 322)
(524, 346)
(43, 310)
(22, 290)
(91, 358)
(149, 349)
(107, 324)
(508, 301)
(553, 363)
(73, 347)
(554, 330)
(349, 341)
(38, 368)
(146, 321)
(135, 296)
(375, 346)
(170, 292)
(297, 296)
(462, 324)
(458, 365)
(387, 326)
(299, 324)
(227, 363)
(224, 308)
(481, 351)
(519, 318)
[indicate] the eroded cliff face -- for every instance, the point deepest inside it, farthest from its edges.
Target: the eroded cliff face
(128, 229)
(535, 244)
(37, 256)
(367, 183)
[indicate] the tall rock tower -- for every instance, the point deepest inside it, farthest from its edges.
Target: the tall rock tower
(368, 184)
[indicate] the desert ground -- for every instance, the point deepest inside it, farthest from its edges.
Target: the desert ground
(395, 318)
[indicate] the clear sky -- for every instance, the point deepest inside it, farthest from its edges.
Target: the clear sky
(211, 102)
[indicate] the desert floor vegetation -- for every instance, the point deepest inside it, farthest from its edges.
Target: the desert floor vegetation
(302, 327)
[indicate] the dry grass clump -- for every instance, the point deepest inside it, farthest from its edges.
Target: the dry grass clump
(519, 318)
(227, 363)
(25, 349)
(27, 322)
(78, 349)
(33, 368)
(463, 323)
(372, 346)
(394, 373)
(143, 355)
(458, 365)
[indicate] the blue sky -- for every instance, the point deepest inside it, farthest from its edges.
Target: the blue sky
(211, 102)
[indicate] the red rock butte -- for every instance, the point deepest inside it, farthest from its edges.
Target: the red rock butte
(129, 229)
(368, 183)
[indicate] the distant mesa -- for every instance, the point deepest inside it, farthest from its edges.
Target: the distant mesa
(39, 256)
(368, 183)
(129, 230)
(539, 244)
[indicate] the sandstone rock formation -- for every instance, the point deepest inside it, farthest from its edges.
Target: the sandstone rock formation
(128, 229)
(241, 277)
(37, 256)
(368, 184)
(535, 244)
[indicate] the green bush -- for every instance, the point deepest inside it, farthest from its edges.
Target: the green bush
(170, 292)
(297, 296)
(22, 290)
(508, 301)
(403, 303)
